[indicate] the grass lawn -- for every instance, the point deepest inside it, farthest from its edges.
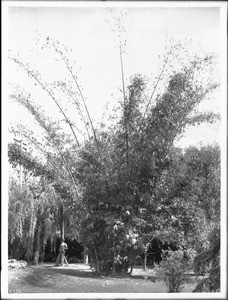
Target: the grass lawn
(78, 278)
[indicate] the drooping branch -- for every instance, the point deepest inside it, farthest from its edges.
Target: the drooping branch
(28, 136)
(49, 130)
(155, 86)
(35, 76)
(69, 68)
(73, 98)
(28, 162)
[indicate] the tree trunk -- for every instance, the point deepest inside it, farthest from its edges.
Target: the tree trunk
(134, 253)
(114, 256)
(126, 262)
(145, 260)
(86, 256)
(42, 242)
(62, 222)
(37, 245)
(153, 260)
(132, 263)
(97, 260)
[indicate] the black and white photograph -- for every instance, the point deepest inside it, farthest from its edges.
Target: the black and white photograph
(114, 132)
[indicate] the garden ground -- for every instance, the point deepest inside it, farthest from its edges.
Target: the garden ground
(79, 278)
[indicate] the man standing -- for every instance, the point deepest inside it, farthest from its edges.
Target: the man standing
(62, 251)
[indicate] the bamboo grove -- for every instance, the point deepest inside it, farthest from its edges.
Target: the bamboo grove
(118, 184)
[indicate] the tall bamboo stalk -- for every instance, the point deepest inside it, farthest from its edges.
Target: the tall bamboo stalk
(125, 109)
(87, 112)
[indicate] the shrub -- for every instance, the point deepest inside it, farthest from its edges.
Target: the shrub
(174, 268)
(16, 264)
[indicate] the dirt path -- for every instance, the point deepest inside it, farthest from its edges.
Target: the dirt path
(78, 278)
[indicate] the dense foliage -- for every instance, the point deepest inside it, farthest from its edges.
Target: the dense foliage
(150, 187)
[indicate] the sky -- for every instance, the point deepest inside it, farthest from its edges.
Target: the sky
(88, 31)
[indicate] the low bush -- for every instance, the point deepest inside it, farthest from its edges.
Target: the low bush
(175, 268)
(16, 264)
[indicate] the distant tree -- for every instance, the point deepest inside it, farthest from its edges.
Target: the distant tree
(38, 206)
(190, 193)
(33, 217)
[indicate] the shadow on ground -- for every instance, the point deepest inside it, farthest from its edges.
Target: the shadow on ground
(79, 278)
(43, 276)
